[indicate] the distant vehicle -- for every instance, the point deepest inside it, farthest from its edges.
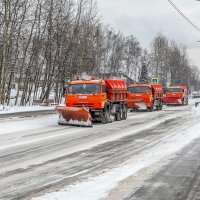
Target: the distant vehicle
(145, 96)
(88, 100)
(177, 95)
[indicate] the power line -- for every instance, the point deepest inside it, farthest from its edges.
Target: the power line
(182, 14)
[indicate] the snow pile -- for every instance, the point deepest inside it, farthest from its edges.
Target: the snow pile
(5, 108)
(63, 121)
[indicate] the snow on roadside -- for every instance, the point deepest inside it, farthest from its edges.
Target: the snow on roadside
(16, 109)
(98, 187)
(7, 127)
(195, 110)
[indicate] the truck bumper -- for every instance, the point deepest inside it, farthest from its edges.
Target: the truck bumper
(172, 100)
(134, 104)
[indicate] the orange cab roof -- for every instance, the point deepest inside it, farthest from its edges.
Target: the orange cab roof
(86, 82)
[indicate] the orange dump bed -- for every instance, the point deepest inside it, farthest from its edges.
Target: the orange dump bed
(117, 90)
(157, 90)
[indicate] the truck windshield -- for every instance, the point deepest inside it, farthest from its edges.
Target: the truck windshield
(84, 89)
(174, 90)
(139, 89)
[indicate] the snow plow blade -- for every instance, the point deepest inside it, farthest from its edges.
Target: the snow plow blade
(74, 116)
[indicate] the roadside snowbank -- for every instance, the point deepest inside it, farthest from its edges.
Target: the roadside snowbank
(16, 109)
(195, 110)
(7, 127)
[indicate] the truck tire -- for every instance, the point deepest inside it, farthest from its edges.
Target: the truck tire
(105, 118)
(186, 101)
(183, 101)
(119, 114)
(161, 105)
(125, 110)
(150, 109)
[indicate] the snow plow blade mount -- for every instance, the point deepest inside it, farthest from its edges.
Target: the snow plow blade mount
(74, 116)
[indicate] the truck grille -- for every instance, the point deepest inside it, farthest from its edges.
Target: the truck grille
(89, 105)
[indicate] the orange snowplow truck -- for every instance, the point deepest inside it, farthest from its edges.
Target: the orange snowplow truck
(94, 100)
(145, 96)
(176, 95)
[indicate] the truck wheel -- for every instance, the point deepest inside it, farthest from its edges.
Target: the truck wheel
(187, 101)
(119, 114)
(150, 109)
(124, 112)
(104, 119)
(183, 101)
(108, 116)
(161, 105)
(105, 116)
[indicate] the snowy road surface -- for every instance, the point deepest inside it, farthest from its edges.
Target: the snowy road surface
(140, 158)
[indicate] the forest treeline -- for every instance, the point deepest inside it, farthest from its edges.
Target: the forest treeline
(45, 43)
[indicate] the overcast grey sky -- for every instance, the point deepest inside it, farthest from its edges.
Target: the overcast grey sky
(145, 18)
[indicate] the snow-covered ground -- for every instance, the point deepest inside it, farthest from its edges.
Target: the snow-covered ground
(98, 187)
(47, 153)
(196, 110)
(16, 109)
(28, 124)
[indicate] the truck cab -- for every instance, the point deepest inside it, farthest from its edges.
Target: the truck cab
(177, 95)
(145, 96)
(86, 93)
